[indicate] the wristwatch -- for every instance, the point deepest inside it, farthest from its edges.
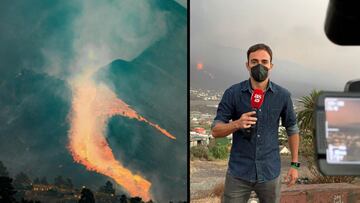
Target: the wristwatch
(295, 165)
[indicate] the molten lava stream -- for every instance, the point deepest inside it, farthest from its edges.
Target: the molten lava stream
(92, 106)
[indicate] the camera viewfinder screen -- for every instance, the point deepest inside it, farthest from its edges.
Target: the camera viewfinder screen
(342, 127)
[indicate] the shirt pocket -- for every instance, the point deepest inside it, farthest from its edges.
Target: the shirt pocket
(240, 110)
(274, 116)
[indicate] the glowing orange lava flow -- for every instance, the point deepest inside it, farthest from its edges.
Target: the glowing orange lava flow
(92, 106)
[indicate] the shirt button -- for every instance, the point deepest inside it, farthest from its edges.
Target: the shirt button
(258, 135)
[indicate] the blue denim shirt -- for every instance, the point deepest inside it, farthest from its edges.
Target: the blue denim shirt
(257, 159)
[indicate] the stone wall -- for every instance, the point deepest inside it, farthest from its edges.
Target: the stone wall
(321, 193)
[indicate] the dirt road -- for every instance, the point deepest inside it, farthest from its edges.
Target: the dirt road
(206, 175)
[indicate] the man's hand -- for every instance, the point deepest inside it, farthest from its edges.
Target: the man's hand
(224, 129)
(245, 121)
(292, 176)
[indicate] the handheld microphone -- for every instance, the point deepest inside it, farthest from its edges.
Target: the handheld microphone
(256, 100)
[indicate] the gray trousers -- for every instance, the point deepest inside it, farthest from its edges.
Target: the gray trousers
(238, 191)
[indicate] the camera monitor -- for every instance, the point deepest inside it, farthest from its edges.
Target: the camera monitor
(337, 120)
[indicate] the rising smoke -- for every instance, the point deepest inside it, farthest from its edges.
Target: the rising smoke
(100, 38)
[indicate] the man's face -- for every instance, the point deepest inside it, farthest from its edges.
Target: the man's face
(259, 57)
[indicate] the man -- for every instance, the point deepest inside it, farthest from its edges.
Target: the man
(254, 162)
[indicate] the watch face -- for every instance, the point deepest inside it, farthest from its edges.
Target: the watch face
(295, 164)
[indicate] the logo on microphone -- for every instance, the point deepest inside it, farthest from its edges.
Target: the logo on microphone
(257, 98)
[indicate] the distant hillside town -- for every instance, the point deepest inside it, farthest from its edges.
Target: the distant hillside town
(23, 189)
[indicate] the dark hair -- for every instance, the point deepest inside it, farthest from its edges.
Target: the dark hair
(259, 47)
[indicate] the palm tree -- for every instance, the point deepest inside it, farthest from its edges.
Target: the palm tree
(306, 115)
(307, 126)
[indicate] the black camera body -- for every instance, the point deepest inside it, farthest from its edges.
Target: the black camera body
(341, 23)
(337, 119)
(337, 114)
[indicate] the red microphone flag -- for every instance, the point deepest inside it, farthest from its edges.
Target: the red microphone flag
(257, 98)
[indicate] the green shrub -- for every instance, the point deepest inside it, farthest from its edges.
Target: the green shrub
(219, 151)
(210, 156)
(222, 141)
(199, 151)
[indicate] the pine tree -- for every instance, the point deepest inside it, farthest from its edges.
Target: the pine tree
(136, 200)
(123, 199)
(86, 196)
(3, 170)
(44, 181)
(36, 181)
(69, 183)
(6, 190)
(107, 188)
(59, 181)
(22, 181)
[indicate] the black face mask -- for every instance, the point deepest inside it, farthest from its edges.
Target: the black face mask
(259, 73)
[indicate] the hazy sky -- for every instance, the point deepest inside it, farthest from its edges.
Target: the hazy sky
(293, 29)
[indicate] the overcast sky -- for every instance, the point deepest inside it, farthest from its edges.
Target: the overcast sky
(293, 29)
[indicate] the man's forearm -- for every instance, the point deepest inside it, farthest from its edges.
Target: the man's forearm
(223, 129)
(294, 147)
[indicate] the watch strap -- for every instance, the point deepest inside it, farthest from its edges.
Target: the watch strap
(295, 165)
